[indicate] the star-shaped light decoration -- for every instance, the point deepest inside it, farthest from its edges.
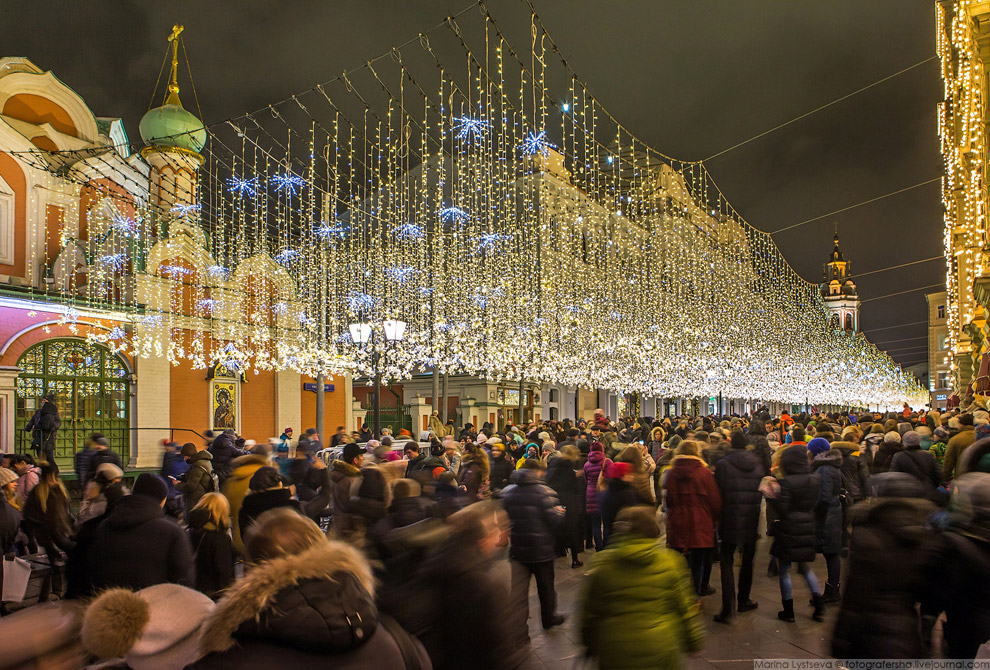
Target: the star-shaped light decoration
(182, 209)
(470, 128)
(243, 187)
(288, 182)
(115, 262)
(537, 143)
(409, 232)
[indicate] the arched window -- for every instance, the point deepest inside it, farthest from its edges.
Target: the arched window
(92, 393)
(849, 321)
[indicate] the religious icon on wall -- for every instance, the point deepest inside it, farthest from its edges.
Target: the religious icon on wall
(224, 405)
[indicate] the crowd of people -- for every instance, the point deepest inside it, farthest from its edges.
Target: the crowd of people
(402, 553)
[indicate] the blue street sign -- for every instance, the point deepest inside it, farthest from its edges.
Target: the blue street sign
(327, 388)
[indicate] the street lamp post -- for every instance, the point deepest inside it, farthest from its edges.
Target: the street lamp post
(363, 333)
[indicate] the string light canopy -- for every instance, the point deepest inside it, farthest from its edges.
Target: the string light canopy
(481, 197)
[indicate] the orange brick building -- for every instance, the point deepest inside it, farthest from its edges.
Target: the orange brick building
(54, 336)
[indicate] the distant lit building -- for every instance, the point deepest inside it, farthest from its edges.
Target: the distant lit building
(839, 292)
(939, 360)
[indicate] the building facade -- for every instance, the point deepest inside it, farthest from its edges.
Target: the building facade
(59, 278)
(963, 45)
(939, 360)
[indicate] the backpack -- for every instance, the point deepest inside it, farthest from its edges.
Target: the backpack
(214, 485)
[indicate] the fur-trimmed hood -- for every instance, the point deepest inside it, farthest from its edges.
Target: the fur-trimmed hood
(321, 600)
(340, 469)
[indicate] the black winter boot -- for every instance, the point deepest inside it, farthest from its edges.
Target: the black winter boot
(832, 594)
(819, 613)
(787, 614)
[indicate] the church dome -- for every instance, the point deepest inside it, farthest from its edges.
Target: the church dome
(172, 126)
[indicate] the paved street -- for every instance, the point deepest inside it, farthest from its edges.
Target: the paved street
(756, 634)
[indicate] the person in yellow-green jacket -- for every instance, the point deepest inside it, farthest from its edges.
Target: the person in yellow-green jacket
(640, 609)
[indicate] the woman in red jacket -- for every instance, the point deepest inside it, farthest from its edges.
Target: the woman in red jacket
(693, 506)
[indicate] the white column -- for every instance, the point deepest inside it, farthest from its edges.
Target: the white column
(420, 411)
(350, 423)
(153, 410)
(288, 402)
(8, 375)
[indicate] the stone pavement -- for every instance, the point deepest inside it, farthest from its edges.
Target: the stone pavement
(755, 634)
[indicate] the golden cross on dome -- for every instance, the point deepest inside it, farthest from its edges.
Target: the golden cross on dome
(173, 84)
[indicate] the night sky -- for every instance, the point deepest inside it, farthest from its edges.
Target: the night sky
(690, 78)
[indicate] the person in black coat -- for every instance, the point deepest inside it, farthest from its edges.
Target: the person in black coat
(562, 477)
(856, 481)
(738, 476)
(961, 570)
(469, 628)
(619, 494)
(265, 492)
(756, 437)
(224, 452)
(534, 516)
(213, 549)
(919, 464)
(500, 468)
(890, 571)
(136, 546)
(794, 528)
(828, 516)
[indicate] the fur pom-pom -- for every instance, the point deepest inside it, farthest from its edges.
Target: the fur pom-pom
(114, 622)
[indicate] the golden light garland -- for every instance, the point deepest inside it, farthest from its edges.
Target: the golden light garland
(488, 201)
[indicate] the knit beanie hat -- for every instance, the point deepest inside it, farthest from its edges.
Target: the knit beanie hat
(150, 486)
(597, 446)
(892, 437)
(981, 416)
(6, 476)
(941, 432)
(819, 445)
(912, 438)
(156, 628)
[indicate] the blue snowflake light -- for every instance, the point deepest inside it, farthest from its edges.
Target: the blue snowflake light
(483, 298)
(115, 262)
(124, 225)
(228, 348)
(470, 128)
(210, 304)
(288, 182)
(243, 187)
(409, 231)
(117, 333)
(357, 301)
(184, 210)
(286, 256)
(400, 273)
(329, 231)
(454, 214)
(488, 242)
(217, 271)
(425, 290)
(153, 320)
(233, 365)
(537, 143)
(573, 309)
(174, 271)
(280, 308)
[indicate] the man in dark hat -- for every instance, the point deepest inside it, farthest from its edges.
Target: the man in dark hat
(266, 491)
(136, 546)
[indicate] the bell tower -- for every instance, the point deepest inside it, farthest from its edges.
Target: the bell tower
(839, 292)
